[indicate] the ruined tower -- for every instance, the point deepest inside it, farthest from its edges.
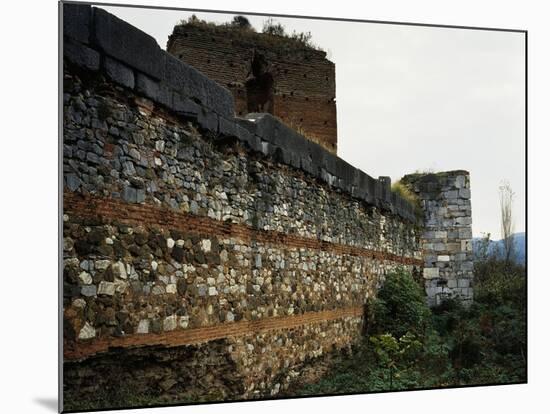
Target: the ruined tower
(279, 75)
(447, 234)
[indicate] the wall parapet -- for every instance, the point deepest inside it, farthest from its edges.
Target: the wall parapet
(99, 41)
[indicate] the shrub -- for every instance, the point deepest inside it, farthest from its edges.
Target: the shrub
(273, 28)
(400, 306)
(241, 22)
(405, 193)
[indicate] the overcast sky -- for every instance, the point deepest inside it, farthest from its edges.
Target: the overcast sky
(415, 98)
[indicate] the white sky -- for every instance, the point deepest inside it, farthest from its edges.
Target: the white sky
(415, 98)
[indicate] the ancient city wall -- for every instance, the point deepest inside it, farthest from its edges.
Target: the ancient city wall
(236, 243)
(300, 87)
(213, 255)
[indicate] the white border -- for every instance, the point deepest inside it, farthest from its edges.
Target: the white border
(29, 205)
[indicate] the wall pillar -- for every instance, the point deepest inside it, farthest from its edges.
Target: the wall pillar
(447, 237)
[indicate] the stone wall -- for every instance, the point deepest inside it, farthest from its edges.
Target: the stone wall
(301, 79)
(235, 242)
(447, 236)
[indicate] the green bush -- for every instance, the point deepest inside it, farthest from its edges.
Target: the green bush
(400, 306)
(409, 346)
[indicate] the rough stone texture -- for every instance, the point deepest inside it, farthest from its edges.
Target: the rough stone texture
(301, 81)
(447, 237)
(221, 235)
(119, 73)
(128, 44)
(76, 21)
(81, 55)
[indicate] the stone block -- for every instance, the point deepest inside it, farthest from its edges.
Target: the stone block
(430, 272)
(129, 194)
(454, 247)
(443, 258)
(463, 221)
(345, 171)
(128, 44)
(208, 120)
(316, 154)
(467, 266)
(156, 91)
(219, 99)
(466, 245)
(191, 83)
(81, 55)
(147, 86)
(460, 181)
(463, 283)
(329, 162)
(465, 233)
(119, 72)
(464, 193)
(77, 21)
(452, 283)
(230, 128)
(184, 106)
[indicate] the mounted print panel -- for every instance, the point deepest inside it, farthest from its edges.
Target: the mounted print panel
(230, 227)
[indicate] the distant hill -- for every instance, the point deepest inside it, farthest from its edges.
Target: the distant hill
(496, 247)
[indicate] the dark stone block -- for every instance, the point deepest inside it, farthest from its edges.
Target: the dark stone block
(231, 128)
(81, 55)
(185, 79)
(256, 143)
(284, 136)
(316, 154)
(153, 90)
(219, 99)
(73, 182)
(208, 120)
(188, 81)
(274, 132)
(185, 106)
(307, 166)
(119, 72)
(329, 162)
(77, 21)
(345, 171)
(128, 44)
(129, 194)
(249, 125)
(366, 187)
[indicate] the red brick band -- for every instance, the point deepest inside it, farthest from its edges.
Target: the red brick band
(108, 209)
(82, 349)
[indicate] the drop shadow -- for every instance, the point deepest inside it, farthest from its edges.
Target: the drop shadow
(49, 403)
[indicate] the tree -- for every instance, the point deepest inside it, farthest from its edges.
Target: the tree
(506, 220)
(241, 21)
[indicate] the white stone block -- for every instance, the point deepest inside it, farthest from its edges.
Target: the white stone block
(106, 288)
(143, 326)
(431, 272)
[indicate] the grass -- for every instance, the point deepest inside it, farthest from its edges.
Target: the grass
(273, 34)
(405, 193)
